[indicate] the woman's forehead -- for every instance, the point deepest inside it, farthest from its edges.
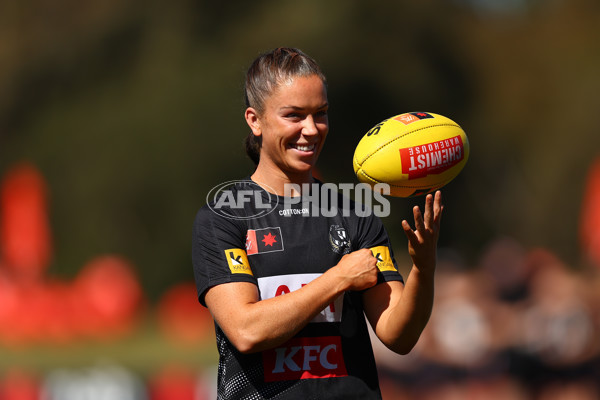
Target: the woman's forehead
(300, 89)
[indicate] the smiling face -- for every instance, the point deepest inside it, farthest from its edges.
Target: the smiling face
(293, 127)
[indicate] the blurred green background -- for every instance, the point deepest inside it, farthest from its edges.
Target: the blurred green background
(133, 110)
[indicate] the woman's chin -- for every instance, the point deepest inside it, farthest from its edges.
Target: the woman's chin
(301, 167)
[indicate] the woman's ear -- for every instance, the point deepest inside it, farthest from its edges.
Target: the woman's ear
(253, 121)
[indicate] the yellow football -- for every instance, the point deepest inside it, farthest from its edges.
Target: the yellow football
(415, 153)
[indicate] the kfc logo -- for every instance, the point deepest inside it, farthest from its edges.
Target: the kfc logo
(305, 358)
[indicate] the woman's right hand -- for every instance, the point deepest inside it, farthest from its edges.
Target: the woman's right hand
(357, 270)
(252, 324)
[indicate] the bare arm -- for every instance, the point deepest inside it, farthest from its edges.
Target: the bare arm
(254, 325)
(399, 313)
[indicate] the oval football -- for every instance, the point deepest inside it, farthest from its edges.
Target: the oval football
(415, 153)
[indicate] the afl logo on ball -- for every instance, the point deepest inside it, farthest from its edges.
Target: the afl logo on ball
(339, 240)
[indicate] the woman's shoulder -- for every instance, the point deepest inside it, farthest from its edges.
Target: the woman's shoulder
(226, 203)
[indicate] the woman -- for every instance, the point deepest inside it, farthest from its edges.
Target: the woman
(289, 290)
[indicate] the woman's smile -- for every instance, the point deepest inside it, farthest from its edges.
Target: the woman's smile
(293, 127)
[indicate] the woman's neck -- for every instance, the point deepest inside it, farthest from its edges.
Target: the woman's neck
(276, 181)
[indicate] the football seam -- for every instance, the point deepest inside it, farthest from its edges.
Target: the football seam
(400, 137)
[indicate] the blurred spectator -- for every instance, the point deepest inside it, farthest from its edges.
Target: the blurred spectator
(498, 388)
(503, 264)
(556, 321)
(556, 339)
(460, 329)
(531, 333)
(575, 390)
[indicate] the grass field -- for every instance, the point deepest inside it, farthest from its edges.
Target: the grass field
(143, 351)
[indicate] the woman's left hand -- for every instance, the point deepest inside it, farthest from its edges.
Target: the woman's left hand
(422, 242)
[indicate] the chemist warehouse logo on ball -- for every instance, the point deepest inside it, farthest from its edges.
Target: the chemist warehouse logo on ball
(432, 158)
(245, 199)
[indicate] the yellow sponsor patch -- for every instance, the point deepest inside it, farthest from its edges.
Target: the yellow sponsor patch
(238, 261)
(384, 259)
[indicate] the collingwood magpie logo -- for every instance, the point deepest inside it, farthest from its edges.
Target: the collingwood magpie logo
(338, 238)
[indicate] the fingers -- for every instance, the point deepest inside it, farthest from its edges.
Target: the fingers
(359, 269)
(433, 210)
(361, 257)
(410, 234)
(430, 219)
(438, 208)
(369, 257)
(419, 222)
(428, 210)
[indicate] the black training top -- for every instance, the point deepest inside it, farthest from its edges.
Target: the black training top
(280, 244)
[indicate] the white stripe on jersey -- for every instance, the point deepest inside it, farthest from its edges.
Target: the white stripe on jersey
(272, 286)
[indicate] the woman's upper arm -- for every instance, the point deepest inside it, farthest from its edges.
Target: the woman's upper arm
(227, 303)
(377, 302)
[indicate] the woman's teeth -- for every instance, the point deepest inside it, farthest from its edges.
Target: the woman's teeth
(305, 148)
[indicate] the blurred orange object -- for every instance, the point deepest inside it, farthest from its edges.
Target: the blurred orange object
(104, 300)
(181, 317)
(109, 297)
(51, 312)
(35, 312)
(24, 227)
(590, 215)
(19, 385)
(174, 382)
(11, 301)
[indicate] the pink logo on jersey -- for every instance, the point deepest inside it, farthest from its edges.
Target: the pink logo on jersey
(305, 358)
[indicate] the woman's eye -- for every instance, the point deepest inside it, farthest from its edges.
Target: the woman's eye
(321, 116)
(293, 116)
